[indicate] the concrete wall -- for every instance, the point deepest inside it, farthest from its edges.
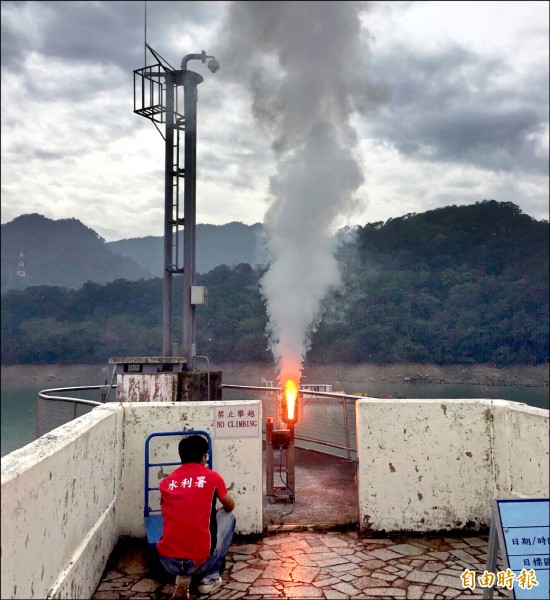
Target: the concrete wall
(58, 508)
(68, 496)
(521, 437)
(238, 460)
(428, 465)
(157, 387)
(424, 465)
(147, 378)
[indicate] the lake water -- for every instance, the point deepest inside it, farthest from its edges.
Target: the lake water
(19, 406)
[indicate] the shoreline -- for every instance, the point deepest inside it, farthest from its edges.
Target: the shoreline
(16, 376)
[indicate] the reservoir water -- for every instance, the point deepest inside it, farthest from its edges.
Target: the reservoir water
(19, 404)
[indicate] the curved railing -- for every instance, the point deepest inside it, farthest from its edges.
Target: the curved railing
(327, 423)
(54, 410)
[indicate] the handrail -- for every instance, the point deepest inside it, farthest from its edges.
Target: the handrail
(43, 424)
(49, 396)
(44, 394)
(304, 393)
(300, 391)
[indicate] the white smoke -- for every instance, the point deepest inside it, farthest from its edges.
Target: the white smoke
(305, 65)
(313, 187)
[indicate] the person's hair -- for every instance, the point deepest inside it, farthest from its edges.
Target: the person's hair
(192, 448)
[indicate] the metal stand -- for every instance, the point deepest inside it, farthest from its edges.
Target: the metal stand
(280, 463)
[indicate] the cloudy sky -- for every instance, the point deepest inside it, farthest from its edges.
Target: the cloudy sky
(441, 102)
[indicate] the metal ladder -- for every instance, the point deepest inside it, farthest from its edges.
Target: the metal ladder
(178, 172)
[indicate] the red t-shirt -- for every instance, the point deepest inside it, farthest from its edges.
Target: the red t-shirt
(188, 505)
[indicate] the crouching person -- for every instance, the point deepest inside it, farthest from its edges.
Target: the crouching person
(195, 536)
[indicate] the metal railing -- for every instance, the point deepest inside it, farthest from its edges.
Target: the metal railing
(326, 420)
(54, 410)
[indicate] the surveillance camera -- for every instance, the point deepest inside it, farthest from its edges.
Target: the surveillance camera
(213, 65)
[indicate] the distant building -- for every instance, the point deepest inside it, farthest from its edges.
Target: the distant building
(21, 268)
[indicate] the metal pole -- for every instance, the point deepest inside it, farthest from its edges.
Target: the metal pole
(113, 377)
(190, 82)
(346, 427)
(290, 462)
(269, 472)
(492, 550)
(168, 217)
(207, 372)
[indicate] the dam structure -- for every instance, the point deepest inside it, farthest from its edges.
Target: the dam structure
(425, 470)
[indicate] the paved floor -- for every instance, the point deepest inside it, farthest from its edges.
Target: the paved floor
(312, 550)
(314, 564)
(326, 492)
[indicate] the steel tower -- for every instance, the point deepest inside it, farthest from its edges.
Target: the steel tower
(156, 97)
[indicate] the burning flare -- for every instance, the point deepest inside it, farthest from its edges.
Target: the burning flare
(291, 393)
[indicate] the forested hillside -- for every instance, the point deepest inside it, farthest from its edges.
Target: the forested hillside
(229, 244)
(457, 285)
(38, 251)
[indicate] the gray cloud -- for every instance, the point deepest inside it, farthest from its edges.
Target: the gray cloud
(84, 32)
(454, 106)
(447, 114)
(108, 32)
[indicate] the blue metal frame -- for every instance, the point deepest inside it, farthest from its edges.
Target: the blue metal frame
(153, 522)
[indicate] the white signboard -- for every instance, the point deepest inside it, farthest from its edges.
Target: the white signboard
(237, 421)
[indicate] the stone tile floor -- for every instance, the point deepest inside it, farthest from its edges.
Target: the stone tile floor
(318, 554)
(315, 564)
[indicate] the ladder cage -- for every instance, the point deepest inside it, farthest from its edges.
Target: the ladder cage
(150, 102)
(150, 92)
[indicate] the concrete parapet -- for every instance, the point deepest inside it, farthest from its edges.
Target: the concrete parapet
(68, 496)
(237, 459)
(58, 508)
(430, 465)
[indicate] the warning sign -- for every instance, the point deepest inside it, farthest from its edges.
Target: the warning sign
(237, 421)
(520, 528)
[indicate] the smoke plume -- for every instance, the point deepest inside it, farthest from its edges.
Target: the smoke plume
(305, 65)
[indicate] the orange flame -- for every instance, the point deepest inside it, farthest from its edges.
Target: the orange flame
(291, 393)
